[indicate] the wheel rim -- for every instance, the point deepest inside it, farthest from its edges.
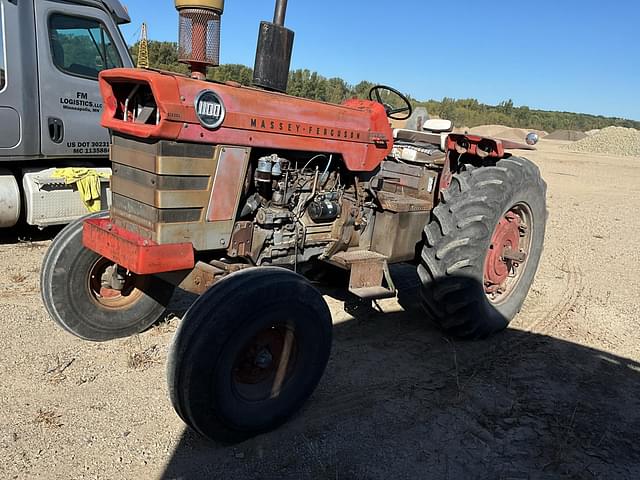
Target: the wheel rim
(265, 364)
(508, 253)
(110, 298)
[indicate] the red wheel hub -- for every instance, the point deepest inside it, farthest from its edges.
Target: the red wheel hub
(111, 298)
(265, 363)
(260, 359)
(506, 238)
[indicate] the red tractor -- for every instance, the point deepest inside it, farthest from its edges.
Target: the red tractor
(227, 191)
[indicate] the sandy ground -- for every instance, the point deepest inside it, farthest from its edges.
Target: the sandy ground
(555, 396)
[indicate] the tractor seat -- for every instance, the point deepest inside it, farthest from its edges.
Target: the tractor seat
(434, 132)
(437, 125)
(415, 136)
(424, 147)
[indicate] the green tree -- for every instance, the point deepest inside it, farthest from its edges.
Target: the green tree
(162, 56)
(337, 90)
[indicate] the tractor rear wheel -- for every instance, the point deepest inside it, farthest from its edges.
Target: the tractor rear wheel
(482, 248)
(248, 353)
(75, 298)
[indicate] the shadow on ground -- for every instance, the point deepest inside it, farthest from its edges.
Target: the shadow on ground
(27, 234)
(398, 400)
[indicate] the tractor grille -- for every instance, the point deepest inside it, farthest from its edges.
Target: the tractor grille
(147, 216)
(161, 190)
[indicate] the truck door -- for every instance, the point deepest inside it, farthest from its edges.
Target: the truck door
(19, 132)
(9, 116)
(75, 43)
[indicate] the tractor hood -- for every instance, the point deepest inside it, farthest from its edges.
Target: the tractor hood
(152, 105)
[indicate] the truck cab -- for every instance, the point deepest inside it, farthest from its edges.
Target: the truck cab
(51, 53)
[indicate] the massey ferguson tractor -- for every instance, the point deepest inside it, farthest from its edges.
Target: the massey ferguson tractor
(228, 191)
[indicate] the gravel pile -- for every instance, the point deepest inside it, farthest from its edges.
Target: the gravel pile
(611, 140)
(569, 135)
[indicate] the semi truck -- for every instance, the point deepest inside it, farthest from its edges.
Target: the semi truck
(51, 53)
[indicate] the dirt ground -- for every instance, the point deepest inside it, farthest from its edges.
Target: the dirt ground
(555, 396)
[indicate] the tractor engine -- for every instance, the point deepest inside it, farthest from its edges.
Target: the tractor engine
(293, 208)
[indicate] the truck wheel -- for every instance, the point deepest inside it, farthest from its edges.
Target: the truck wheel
(248, 353)
(482, 248)
(70, 284)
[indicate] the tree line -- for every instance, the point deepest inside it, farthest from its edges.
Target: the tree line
(463, 112)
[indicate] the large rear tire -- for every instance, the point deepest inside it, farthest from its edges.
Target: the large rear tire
(248, 353)
(70, 284)
(474, 279)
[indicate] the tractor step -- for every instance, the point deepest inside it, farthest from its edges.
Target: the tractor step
(346, 259)
(369, 273)
(373, 293)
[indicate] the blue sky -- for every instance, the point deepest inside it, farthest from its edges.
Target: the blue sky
(566, 55)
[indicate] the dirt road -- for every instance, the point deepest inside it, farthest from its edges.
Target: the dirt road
(556, 396)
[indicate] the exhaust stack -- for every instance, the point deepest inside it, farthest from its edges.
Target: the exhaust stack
(199, 37)
(273, 54)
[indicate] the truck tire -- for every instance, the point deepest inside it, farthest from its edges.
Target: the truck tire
(471, 284)
(72, 295)
(248, 353)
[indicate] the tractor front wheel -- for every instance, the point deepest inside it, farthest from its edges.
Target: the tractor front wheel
(248, 353)
(482, 248)
(75, 296)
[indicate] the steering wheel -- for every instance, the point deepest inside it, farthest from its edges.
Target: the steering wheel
(391, 112)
